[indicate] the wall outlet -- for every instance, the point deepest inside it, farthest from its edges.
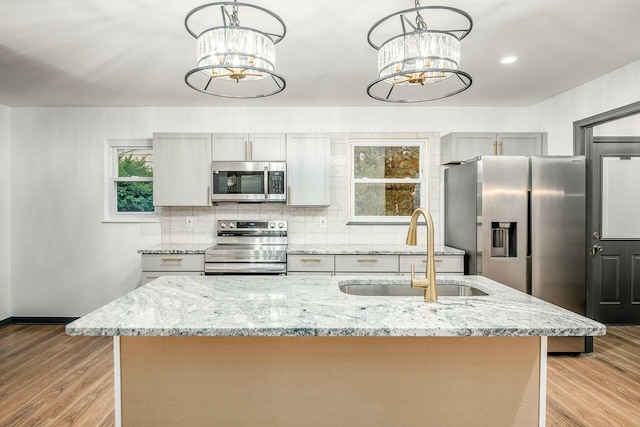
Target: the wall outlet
(323, 222)
(189, 222)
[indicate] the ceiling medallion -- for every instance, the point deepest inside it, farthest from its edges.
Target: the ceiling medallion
(421, 63)
(234, 60)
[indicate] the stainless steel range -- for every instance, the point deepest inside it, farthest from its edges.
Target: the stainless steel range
(248, 247)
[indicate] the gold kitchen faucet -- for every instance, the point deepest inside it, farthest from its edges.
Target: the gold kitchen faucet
(429, 282)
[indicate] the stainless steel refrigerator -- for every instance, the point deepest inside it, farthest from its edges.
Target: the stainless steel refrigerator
(521, 222)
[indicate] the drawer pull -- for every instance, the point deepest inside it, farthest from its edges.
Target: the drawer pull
(367, 260)
(310, 260)
(171, 259)
(424, 260)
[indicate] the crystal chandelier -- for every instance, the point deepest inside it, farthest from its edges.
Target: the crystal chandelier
(422, 63)
(233, 60)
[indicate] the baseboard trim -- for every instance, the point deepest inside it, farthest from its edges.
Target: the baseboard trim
(5, 322)
(37, 320)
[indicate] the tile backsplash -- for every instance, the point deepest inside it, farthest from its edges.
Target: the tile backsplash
(304, 222)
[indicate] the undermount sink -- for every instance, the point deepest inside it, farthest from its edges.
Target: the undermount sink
(395, 289)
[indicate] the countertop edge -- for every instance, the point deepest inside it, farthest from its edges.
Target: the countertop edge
(333, 332)
(187, 249)
(314, 306)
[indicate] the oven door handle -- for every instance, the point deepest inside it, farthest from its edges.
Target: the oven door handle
(266, 182)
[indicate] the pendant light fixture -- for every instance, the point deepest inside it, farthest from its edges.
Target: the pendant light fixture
(421, 60)
(235, 50)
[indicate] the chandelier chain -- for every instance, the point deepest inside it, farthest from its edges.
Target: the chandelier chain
(234, 15)
(420, 24)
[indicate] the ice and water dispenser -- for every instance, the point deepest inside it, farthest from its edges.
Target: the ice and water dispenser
(503, 239)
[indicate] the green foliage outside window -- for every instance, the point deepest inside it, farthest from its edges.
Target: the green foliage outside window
(386, 163)
(134, 196)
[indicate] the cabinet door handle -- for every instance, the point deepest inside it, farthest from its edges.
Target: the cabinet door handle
(250, 145)
(208, 196)
(501, 148)
(171, 259)
(495, 148)
(310, 260)
(288, 195)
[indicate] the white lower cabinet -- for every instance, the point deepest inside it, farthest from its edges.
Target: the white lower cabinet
(157, 265)
(317, 264)
(445, 264)
(366, 264)
(154, 266)
(370, 265)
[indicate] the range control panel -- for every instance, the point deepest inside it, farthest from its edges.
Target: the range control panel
(257, 226)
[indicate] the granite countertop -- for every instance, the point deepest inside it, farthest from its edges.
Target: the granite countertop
(315, 306)
(369, 250)
(186, 248)
(176, 248)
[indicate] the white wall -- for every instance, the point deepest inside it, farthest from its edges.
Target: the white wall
(629, 126)
(66, 262)
(557, 115)
(303, 222)
(5, 212)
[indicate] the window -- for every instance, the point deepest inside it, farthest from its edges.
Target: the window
(387, 179)
(129, 183)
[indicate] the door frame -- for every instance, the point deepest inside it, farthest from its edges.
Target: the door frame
(583, 146)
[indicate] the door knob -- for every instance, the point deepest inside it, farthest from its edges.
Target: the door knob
(594, 249)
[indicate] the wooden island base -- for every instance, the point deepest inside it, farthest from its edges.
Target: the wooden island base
(330, 381)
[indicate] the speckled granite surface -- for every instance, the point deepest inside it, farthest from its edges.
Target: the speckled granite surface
(315, 306)
(168, 249)
(313, 249)
(368, 250)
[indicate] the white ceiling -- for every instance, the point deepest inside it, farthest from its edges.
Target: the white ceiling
(136, 53)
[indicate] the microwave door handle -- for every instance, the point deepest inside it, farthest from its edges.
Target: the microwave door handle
(266, 182)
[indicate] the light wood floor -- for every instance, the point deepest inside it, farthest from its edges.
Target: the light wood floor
(50, 379)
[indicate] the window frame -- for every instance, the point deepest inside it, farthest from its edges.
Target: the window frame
(423, 180)
(111, 213)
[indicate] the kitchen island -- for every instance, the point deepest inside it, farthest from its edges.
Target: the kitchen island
(256, 350)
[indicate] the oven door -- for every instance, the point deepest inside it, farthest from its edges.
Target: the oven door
(246, 259)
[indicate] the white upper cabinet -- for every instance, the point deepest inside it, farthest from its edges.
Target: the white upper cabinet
(458, 147)
(182, 164)
(308, 169)
(181, 169)
(249, 147)
(521, 144)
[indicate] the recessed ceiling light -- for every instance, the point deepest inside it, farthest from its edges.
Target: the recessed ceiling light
(508, 59)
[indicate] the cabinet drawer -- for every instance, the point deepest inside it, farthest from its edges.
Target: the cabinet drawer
(173, 262)
(444, 263)
(367, 263)
(310, 263)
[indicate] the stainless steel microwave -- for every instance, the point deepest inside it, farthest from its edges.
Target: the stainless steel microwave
(248, 182)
